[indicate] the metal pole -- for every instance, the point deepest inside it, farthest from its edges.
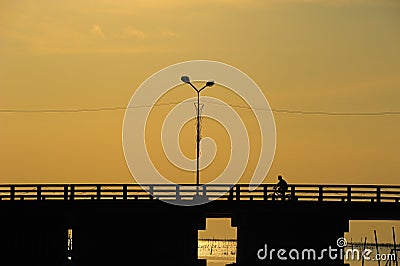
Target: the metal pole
(362, 257)
(186, 80)
(377, 247)
(394, 246)
(198, 143)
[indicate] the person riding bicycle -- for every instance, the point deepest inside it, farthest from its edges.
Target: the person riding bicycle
(281, 187)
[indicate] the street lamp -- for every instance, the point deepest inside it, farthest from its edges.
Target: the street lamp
(186, 80)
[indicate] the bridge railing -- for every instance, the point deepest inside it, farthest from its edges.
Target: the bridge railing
(264, 192)
(346, 193)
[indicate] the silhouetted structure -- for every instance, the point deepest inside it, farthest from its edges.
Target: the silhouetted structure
(210, 83)
(281, 187)
(122, 224)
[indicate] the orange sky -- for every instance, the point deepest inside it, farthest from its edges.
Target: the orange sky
(313, 55)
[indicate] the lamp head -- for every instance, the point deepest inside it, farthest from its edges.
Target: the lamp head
(185, 79)
(210, 83)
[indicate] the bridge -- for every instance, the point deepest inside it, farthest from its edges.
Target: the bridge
(298, 192)
(123, 223)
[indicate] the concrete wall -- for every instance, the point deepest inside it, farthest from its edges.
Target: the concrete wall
(126, 232)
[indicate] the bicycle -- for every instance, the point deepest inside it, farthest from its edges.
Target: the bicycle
(277, 194)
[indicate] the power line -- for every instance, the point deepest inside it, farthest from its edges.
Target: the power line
(302, 112)
(81, 110)
(120, 108)
(77, 110)
(338, 113)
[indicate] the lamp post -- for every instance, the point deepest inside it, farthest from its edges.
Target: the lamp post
(186, 80)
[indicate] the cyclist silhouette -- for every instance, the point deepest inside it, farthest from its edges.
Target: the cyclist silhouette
(281, 187)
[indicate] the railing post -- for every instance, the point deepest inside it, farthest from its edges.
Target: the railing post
(98, 192)
(38, 192)
(349, 194)
(230, 194)
(204, 191)
(65, 192)
(320, 194)
(178, 192)
(265, 190)
(237, 192)
(293, 192)
(125, 192)
(12, 192)
(151, 192)
(378, 194)
(72, 193)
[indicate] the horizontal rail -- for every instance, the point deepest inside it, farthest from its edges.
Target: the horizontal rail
(266, 192)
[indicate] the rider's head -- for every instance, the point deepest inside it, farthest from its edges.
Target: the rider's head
(279, 177)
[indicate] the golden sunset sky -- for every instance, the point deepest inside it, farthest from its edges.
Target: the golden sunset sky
(309, 55)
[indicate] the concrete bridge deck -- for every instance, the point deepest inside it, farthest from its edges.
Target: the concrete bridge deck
(121, 224)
